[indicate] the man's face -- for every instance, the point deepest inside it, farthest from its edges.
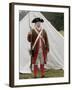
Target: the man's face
(38, 24)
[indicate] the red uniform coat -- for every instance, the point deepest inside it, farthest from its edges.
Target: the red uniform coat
(45, 46)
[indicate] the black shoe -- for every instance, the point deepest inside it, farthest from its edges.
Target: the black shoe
(35, 77)
(42, 76)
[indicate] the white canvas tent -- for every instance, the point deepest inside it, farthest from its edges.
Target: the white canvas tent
(55, 58)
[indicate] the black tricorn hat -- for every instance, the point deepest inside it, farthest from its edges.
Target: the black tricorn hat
(37, 20)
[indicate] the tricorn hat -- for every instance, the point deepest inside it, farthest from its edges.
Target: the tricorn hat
(37, 20)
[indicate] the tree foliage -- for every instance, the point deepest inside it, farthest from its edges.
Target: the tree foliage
(56, 19)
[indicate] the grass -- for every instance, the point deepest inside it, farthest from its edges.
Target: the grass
(48, 74)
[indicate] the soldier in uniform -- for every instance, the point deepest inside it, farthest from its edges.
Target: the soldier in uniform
(39, 46)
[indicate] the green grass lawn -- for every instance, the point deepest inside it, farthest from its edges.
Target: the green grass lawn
(48, 74)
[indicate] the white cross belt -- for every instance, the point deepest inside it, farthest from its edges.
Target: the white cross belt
(39, 36)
